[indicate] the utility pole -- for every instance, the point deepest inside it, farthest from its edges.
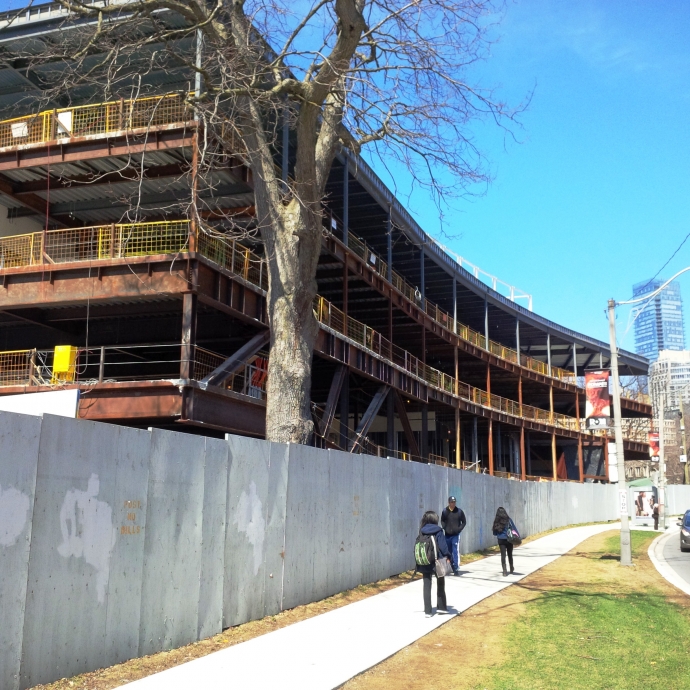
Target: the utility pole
(625, 527)
(662, 451)
(626, 552)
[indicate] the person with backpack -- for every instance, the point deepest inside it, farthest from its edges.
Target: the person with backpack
(430, 547)
(505, 531)
(453, 521)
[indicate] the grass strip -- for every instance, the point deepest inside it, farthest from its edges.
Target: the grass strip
(580, 637)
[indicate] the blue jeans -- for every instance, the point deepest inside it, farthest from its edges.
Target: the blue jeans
(453, 546)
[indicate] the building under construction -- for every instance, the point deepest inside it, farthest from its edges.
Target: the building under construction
(161, 323)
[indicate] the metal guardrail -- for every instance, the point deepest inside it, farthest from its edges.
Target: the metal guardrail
(165, 237)
(329, 315)
(361, 249)
(16, 367)
(123, 240)
(98, 118)
(115, 241)
(130, 363)
(234, 257)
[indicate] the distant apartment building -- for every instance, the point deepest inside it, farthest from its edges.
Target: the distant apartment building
(670, 375)
(659, 324)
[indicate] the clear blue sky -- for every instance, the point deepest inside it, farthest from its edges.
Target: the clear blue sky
(596, 196)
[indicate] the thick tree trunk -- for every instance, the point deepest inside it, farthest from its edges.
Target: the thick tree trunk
(292, 249)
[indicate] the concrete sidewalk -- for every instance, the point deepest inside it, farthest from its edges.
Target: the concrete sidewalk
(325, 651)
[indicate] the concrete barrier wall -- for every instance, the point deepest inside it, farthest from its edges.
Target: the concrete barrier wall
(19, 442)
(118, 542)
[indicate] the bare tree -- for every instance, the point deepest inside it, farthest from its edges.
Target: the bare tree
(392, 74)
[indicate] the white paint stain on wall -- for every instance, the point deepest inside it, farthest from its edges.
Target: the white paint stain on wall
(250, 520)
(14, 513)
(87, 531)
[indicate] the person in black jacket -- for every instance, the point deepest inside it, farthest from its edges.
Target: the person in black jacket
(429, 525)
(500, 530)
(453, 522)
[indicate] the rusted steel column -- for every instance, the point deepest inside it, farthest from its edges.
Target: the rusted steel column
(554, 460)
(488, 384)
(193, 225)
(523, 471)
(188, 335)
(458, 440)
(491, 447)
(345, 295)
(548, 351)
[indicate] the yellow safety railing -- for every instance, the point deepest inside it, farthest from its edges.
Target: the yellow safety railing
(98, 118)
(361, 249)
(234, 257)
(169, 237)
(16, 367)
(114, 241)
(329, 315)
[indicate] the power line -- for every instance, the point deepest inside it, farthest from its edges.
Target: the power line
(680, 246)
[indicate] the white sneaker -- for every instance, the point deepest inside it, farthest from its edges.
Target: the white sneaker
(428, 615)
(441, 610)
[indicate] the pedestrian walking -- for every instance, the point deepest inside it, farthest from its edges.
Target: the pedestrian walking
(505, 531)
(655, 514)
(453, 521)
(430, 546)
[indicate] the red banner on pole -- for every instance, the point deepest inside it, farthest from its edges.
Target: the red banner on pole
(653, 438)
(598, 398)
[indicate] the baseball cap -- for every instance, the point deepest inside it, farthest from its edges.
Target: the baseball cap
(451, 498)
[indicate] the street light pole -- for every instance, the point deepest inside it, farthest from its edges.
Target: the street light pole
(661, 407)
(626, 552)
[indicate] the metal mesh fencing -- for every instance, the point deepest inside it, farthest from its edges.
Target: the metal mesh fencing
(95, 119)
(16, 367)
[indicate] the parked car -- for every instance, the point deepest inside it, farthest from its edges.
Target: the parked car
(685, 532)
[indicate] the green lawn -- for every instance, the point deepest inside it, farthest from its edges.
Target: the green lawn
(578, 637)
(640, 542)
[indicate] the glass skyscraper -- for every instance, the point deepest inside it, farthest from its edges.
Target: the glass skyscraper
(659, 324)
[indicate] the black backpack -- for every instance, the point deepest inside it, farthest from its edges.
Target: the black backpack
(425, 549)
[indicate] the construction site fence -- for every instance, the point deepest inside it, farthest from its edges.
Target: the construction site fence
(95, 119)
(140, 494)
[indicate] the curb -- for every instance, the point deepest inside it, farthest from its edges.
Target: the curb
(664, 569)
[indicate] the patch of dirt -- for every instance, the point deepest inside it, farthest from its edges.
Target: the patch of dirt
(460, 653)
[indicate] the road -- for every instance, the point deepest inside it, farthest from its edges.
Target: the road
(679, 562)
